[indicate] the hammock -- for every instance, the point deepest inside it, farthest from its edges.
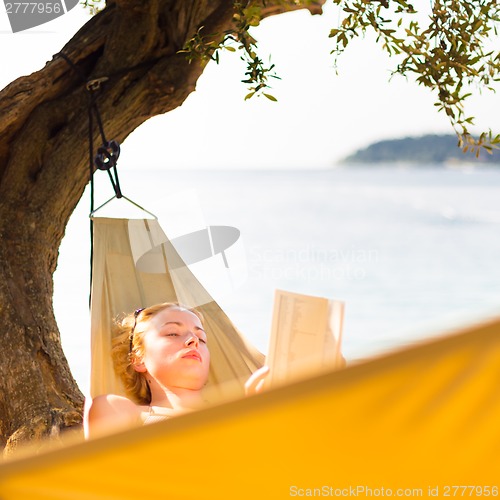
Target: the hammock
(423, 420)
(135, 265)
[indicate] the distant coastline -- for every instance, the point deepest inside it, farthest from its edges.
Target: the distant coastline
(441, 150)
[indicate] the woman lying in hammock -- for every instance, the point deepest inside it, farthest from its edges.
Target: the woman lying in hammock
(162, 356)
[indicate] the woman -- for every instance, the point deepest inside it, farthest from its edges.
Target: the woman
(162, 357)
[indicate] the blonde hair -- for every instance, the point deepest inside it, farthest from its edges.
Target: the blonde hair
(128, 347)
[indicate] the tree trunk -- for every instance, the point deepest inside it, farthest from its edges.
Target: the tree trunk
(44, 170)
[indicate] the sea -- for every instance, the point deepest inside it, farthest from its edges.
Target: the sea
(411, 252)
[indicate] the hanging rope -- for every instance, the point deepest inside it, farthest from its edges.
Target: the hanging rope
(107, 154)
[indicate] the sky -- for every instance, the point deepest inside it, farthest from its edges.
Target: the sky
(320, 116)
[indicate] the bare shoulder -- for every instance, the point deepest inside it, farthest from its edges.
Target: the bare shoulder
(111, 412)
(112, 404)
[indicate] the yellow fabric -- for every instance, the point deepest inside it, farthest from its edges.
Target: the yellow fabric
(423, 418)
(135, 265)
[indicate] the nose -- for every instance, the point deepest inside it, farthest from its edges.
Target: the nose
(192, 340)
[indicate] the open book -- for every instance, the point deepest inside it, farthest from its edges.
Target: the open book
(305, 337)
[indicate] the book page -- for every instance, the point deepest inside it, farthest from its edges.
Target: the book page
(305, 337)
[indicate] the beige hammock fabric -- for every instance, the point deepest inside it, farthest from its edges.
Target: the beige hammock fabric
(135, 265)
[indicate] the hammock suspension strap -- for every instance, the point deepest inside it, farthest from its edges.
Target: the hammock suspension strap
(108, 153)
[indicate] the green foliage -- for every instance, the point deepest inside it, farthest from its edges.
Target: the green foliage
(93, 5)
(257, 74)
(449, 55)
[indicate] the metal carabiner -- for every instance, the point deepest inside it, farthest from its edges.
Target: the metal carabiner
(95, 84)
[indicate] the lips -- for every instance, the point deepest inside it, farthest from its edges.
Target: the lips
(192, 355)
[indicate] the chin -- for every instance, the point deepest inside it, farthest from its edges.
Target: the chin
(195, 385)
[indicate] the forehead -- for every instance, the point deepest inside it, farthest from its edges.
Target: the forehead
(176, 315)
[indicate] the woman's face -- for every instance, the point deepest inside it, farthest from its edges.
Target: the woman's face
(175, 350)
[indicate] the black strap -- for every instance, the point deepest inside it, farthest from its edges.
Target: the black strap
(107, 154)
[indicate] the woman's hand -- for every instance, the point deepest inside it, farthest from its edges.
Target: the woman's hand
(255, 383)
